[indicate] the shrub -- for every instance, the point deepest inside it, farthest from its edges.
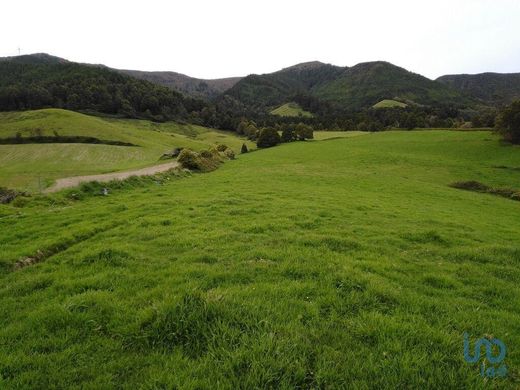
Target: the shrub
(471, 185)
(221, 147)
(288, 135)
(304, 131)
(229, 154)
(189, 159)
(7, 195)
(206, 154)
(508, 123)
(268, 137)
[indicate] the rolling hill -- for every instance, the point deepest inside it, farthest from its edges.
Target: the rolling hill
(274, 89)
(42, 81)
(197, 88)
(291, 110)
(24, 165)
(365, 84)
(491, 88)
(353, 88)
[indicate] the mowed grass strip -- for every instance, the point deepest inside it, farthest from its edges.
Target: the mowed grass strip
(349, 263)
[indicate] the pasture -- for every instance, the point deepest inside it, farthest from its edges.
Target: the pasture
(345, 263)
(34, 166)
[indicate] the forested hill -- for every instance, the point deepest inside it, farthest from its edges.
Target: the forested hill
(40, 81)
(279, 87)
(194, 87)
(491, 88)
(354, 88)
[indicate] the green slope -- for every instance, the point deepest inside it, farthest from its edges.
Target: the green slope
(345, 263)
(292, 110)
(360, 86)
(389, 103)
(24, 166)
(277, 88)
(490, 88)
(366, 84)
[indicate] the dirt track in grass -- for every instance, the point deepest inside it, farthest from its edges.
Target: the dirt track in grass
(74, 181)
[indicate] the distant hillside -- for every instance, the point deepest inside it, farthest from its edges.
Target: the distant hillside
(37, 58)
(389, 103)
(277, 88)
(360, 86)
(198, 88)
(491, 88)
(42, 81)
(291, 110)
(365, 84)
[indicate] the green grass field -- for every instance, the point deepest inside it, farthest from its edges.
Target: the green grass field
(388, 103)
(291, 109)
(28, 166)
(346, 263)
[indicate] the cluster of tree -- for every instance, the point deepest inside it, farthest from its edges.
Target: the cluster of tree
(25, 86)
(227, 113)
(33, 84)
(273, 135)
(508, 123)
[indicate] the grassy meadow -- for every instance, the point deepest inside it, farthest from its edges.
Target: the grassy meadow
(28, 166)
(345, 263)
(291, 109)
(389, 103)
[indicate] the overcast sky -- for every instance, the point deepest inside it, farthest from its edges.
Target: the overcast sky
(221, 38)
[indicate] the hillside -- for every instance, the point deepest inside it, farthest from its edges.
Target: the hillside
(25, 165)
(347, 263)
(291, 110)
(365, 84)
(354, 88)
(42, 81)
(197, 88)
(389, 103)
(490, 88)
(278, 88)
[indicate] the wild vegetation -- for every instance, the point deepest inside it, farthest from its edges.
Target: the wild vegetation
(346, 263)
(508, 123)
(495, 89)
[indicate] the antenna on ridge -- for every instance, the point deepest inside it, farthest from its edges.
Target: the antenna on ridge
(18, 50)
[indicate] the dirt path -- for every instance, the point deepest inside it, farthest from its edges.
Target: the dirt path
(67, 182)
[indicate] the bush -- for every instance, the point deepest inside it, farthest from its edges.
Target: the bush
(304, 132)
(229, 154)
(471, 185)
(189, 159)
(221, 147)
(7, 195)
(268, 137)
(206, 153)
(288, 135)
(205, 160)
(508, 123)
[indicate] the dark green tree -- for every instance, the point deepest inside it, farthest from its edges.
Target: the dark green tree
(304, 131)
(268, 137)
(288, 134)
(508, 123)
